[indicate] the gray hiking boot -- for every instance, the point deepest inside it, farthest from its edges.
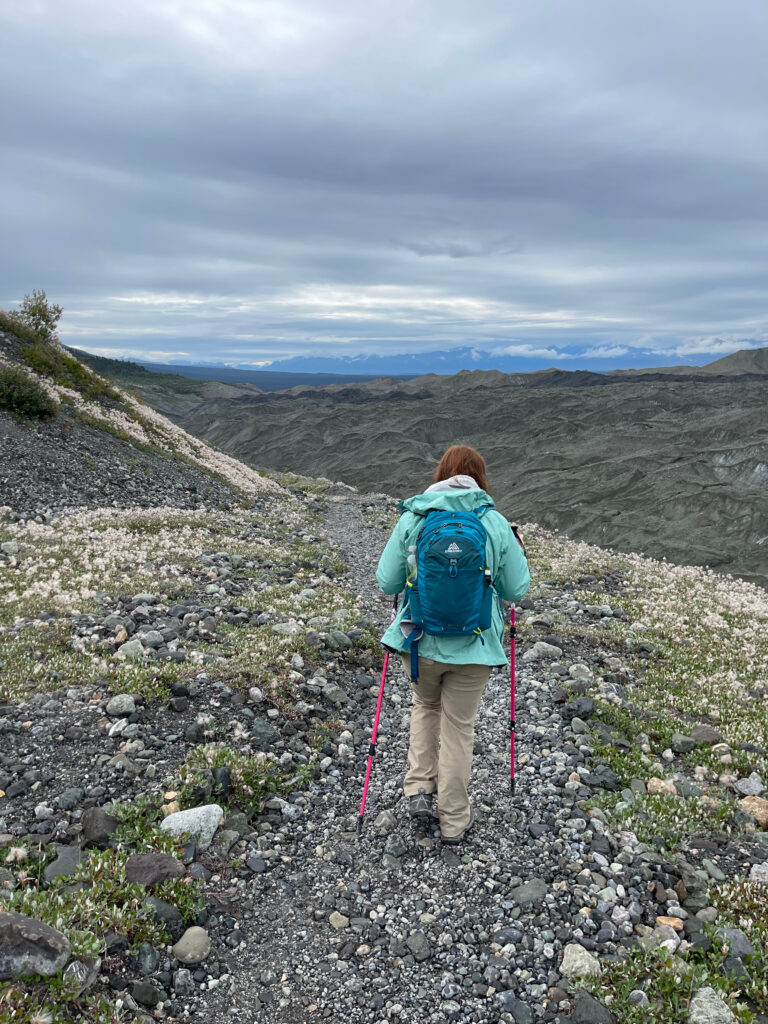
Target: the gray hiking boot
(453, 840)
(420, 806)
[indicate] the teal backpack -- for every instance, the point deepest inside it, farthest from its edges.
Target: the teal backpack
(448, 590)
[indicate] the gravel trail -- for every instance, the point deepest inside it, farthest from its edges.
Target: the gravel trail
(392, 925)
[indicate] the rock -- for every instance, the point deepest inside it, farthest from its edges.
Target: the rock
(757, 806)
(201, 822)
(70, 798)
(713, 870)
(531, 891)
(67, 859)
(193, 946)
(508, 935)
(147, 958)
(80, 975)
(146, 993)
(683, 744)
(183, 982)
(752, 786)
(541, 651)
(122, 704)
(665, 936)
(581, 708)
(735, 968)
(98, 826)
(131, 649)
(670, 922)
(579, 963)
(707, 1007)
(263, 733)
(418, 943)
(587, 1010)
(705, 735)
(638, 998)
(30, 947)
(338, 921)
(599, 610)
(738, 943)
(509, 1003)
(385, 821)
(759, 872)
(150, 869)
(167, 915)
(656, 786)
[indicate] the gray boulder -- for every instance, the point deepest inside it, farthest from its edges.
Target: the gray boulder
(707, 1007)
(30, 947)
(150, 869)
(588, 1010)
(98, 826)
(122, 704)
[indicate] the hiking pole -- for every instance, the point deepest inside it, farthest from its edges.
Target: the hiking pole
(512, 632)
(372, 748)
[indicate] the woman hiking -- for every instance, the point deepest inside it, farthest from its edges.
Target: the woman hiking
(452, 670)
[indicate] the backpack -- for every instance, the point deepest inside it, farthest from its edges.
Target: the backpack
(448, 587)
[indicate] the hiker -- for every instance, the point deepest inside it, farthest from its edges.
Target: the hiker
(451, 670)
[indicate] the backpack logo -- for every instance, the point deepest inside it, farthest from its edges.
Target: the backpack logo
(453, 549)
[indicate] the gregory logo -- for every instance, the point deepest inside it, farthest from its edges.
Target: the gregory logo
(453, 549)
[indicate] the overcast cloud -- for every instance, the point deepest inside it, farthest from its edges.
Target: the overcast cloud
(240, 180)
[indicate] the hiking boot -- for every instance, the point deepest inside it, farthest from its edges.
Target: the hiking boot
(420, 806)
(454, 840)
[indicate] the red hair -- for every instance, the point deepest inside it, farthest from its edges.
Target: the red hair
(461, 460)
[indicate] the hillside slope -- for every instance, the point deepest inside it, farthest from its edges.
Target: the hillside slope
(101, 444)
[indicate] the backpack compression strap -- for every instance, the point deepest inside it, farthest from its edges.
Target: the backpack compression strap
(412, 644)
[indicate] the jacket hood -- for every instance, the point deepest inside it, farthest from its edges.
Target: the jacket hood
(447, 501)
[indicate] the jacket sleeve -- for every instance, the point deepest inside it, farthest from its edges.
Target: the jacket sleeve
(512, 577)
(391, 571)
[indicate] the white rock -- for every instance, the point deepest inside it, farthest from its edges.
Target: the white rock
(579, 963)
(132, 649)
(580, 671)
(707, 1007)
(198, 821)
(759, 872)
(541, 650)
(753, 786)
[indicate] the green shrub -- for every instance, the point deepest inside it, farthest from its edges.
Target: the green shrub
(11, 323)
(21, 394)
(40, 315)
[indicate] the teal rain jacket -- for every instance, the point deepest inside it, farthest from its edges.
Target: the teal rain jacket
(509, 572)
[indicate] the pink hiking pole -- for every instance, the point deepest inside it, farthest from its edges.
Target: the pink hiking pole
(372, 748)
(512, 631)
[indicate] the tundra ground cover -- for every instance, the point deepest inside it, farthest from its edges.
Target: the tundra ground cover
(707, 635)
(57, 579)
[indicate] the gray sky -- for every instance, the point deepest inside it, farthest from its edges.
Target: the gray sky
(241, 180)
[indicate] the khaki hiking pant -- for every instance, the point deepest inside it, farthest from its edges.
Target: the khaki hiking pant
(445, 701)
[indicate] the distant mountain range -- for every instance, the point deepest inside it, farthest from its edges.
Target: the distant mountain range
(319, 371)
(453, 360)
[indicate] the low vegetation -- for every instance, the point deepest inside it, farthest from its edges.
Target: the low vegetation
(22, 395)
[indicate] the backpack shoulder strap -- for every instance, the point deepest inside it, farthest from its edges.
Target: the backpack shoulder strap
(480, 512)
